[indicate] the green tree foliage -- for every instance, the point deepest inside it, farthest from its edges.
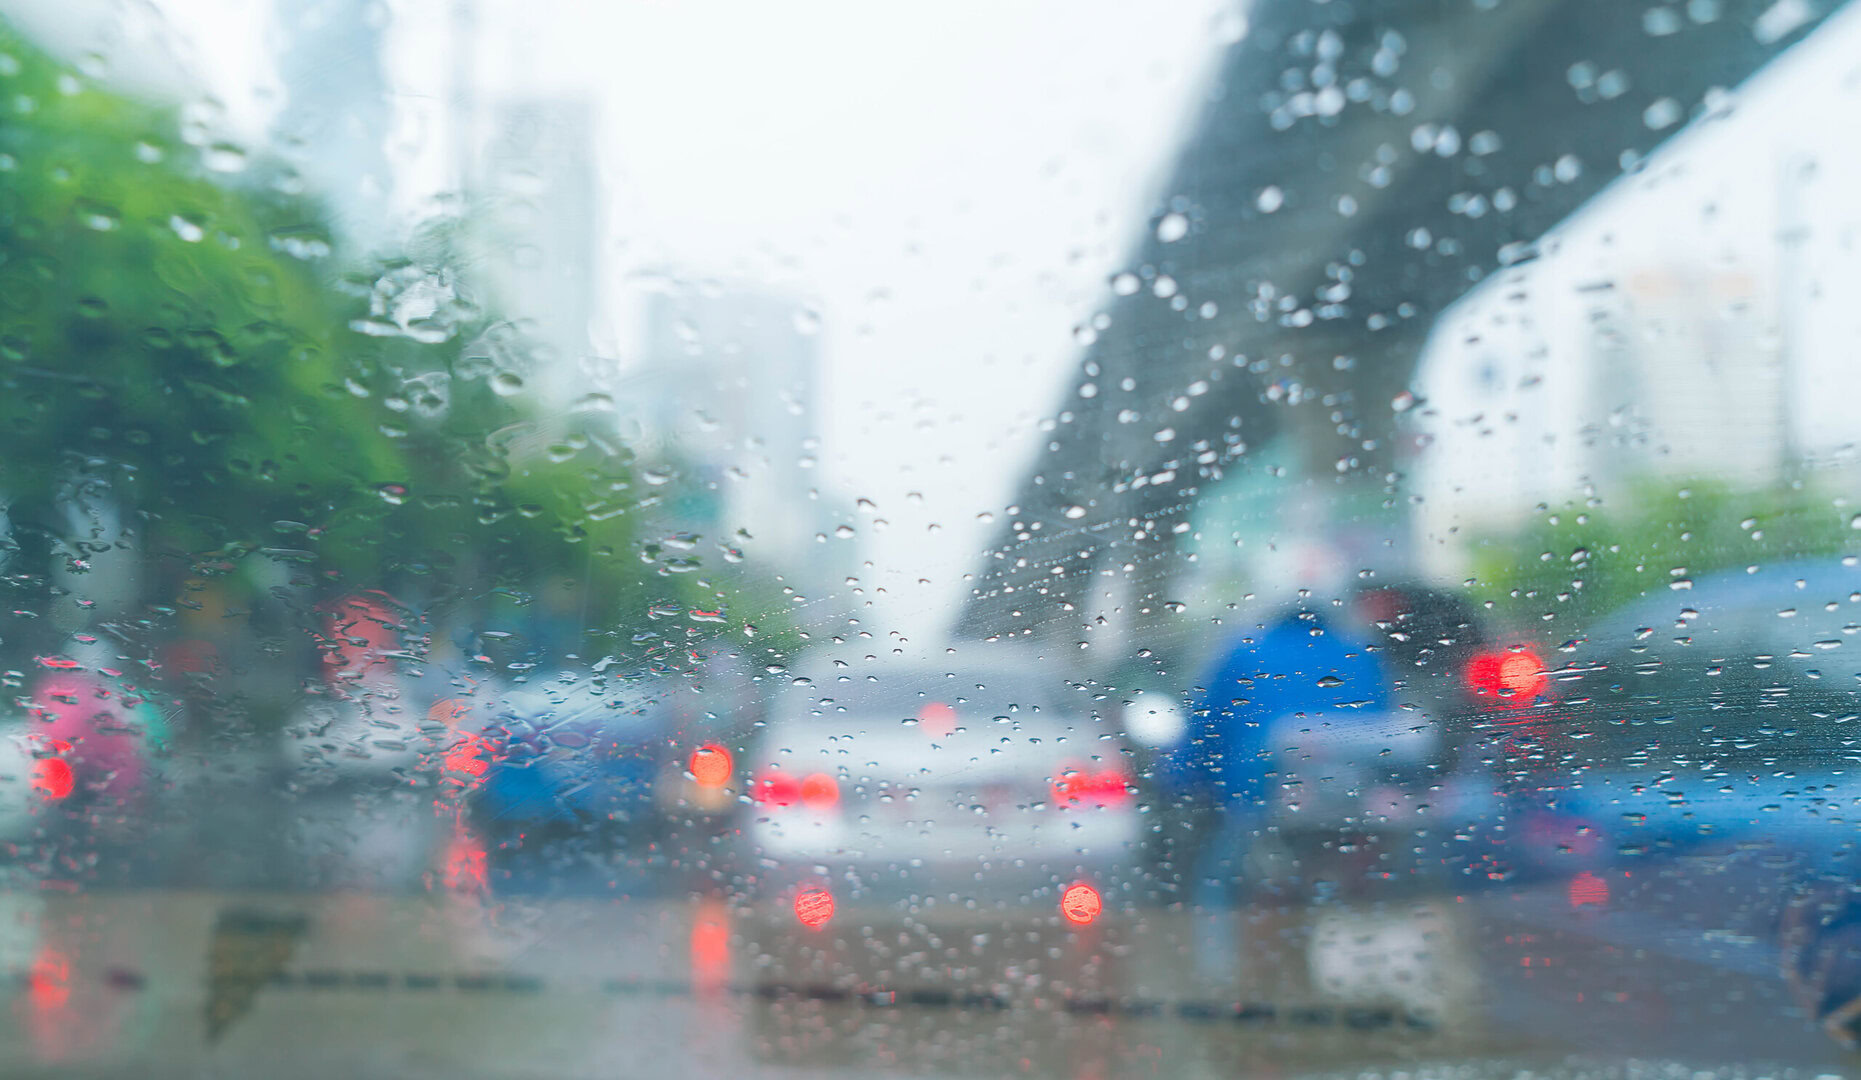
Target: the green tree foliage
(185, 345)
(1586, 560)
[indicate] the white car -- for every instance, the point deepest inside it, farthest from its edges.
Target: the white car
(939, 830)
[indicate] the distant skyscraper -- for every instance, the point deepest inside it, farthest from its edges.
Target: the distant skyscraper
(536, 201)
(729, 385)
(336, 114)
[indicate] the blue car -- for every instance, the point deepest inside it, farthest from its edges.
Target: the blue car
(1705, 719)
(567, 757)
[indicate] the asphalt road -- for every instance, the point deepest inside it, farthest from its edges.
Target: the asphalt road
(1558, 978)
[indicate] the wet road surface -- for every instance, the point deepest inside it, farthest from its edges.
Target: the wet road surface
(459, 982)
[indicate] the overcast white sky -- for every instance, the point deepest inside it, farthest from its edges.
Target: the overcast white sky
(954, 181)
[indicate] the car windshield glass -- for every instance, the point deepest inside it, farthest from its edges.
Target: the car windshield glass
(1311, 538)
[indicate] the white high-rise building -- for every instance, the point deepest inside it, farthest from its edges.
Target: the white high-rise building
(1684, 326)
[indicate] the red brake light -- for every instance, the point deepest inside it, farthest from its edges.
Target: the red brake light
(710, 766)
(777, 788)
(1081, 904)
(1074, 786)
(1515, 677)
(816, 791)
(52, 777)
(814, 907)
(820, 791)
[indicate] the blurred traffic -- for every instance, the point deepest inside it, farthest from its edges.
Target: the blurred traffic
(1364, 594)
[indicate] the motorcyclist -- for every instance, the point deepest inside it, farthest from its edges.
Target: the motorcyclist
(1307, 660)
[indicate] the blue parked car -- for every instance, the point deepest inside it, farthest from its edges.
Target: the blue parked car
(1705, 719)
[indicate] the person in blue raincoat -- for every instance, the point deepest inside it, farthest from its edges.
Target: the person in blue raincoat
(1306, 660)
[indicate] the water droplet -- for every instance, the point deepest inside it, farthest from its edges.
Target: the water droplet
(224, 158)
(506, 383)
(1660, 21)
(844, 532)
(1074, 512)
(1125, 283)
(392, 494)
(188, 231)
(1402, 402)
(1172, 228)
(304, 242)
(100, 217)
(1662, 114)
(1330, 680)
(1271, 198)
(1230, 26)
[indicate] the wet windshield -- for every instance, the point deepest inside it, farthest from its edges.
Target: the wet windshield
(1285, 538)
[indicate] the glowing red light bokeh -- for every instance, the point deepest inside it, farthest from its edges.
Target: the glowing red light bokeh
(1104, 786)
(1514, 677)
(816, 791)
(468, 757)
(710, 945)
(448, 712)
(1081, 904)
(777, 789)
(814, 907)
(1588, 889)
(53, 778)
(48, 983)
(710, 766)
(467, 861)
(820, 791)
(937, 720)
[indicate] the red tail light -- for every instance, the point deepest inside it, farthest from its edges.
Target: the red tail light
(816, 791)
(1076, 786)
(776, 788)
(52, 777)
(710, 766)
(820, 791)
(1081, 904)
(813, 907)
(1513, 677)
